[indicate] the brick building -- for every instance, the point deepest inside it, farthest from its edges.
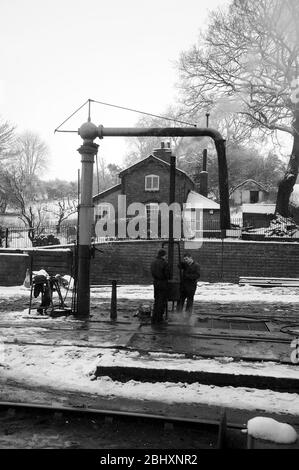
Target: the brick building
(148, 182)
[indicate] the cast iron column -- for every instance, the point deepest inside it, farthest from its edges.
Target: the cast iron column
(87, 151)
(171, 200)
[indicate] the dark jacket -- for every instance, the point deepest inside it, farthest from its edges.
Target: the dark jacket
(190, 272)
(160, 270)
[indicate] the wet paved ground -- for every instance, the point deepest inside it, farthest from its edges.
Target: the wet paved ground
(239, 329)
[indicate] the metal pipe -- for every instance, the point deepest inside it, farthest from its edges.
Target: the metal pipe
(171, 200)
(204, 159)
(92, 131)
(157, 131)
(203, 176)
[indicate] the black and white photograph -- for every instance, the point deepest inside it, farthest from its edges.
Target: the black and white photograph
(149, 229)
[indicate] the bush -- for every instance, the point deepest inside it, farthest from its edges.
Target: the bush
(45, 240)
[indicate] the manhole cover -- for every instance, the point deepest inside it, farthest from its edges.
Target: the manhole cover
(233, 324)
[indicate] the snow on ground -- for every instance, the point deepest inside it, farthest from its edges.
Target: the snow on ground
(13, 292)
(116, 358)
(206, 292)
(71, 369)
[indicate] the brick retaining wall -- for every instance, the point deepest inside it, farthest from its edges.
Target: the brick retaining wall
(54, 261)
(13, 263)
(13, 268)
(129, 261)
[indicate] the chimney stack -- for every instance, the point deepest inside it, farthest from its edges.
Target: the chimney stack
(203, 175)
(164, 153)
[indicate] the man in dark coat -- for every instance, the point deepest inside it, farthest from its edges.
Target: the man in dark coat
(190, 275)
(160, 273)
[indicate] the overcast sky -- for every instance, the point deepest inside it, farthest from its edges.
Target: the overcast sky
(55, 54)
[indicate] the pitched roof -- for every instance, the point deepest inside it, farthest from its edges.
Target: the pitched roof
(249, 181)
(117, 187)
(198, 201)
(152, 157)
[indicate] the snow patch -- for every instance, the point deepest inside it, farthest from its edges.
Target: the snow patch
(271, 430)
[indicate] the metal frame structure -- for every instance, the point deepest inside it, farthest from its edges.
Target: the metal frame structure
(89, 132)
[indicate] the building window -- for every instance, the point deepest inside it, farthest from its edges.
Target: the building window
(254, 197)
(152, 183)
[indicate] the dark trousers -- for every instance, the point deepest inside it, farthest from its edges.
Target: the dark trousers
(187, 292)
(160, 304)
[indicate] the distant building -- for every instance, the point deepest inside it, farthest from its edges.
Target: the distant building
(248, 192)
(257, 215)
(203, 214)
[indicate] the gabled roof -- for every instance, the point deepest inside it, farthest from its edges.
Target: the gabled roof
(249, 181)
(117, 187)
(198, 201)
(154, 158)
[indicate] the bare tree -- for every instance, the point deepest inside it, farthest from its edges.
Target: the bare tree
(24, 196)
(62, 210)
(7, 137)
(20, 184)
(247, 64)
(31, 154)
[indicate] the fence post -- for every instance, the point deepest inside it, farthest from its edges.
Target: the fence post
(113, 309)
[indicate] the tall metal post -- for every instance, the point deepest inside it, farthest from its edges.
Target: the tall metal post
(87, 151)
(203, 175)
(113, 308)
(171, 200)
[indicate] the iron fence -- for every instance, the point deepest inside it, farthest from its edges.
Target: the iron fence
(18, 237)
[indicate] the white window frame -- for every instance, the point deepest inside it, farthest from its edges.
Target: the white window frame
(149, 183)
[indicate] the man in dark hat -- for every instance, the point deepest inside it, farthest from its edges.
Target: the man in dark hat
(190, 275)
(160, 273)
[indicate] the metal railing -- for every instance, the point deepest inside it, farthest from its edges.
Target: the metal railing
(17, 237)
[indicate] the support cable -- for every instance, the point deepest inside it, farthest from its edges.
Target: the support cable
(89, 101)
(57, 129)
(144, 112)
